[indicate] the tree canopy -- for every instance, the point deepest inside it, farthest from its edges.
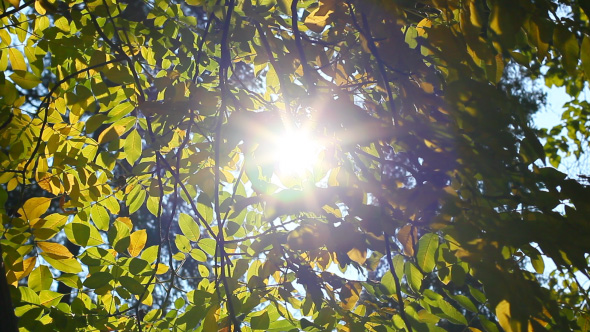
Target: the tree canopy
(284, 165)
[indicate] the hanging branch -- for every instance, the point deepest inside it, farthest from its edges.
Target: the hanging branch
(366, 33)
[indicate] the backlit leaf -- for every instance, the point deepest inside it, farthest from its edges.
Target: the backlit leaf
(25, 79)
(137, 242)
(427, 246)
(189, 227)
(133, 146)
(56, 250)
(98, 279)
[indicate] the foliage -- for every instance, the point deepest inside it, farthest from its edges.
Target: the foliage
(118, 113)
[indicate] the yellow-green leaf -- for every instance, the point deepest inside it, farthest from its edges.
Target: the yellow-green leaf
(40, 279)
(567, 44)
(67, 265)
(427, 246)
(49, 298)
(100, 217)
(198, 255)
(24, 79)
(182, 243)
(189, 227)
(133, 147)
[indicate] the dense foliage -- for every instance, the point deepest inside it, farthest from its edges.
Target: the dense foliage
(142, 188)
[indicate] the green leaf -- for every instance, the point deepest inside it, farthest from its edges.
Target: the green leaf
(133, 146)
(260, 322)
(25, 79)
(189, 227)
(97, 280)
(567, 44)
(413, 276)
(132, 285)
(83, 234)
(427, 246)
(389, 283)
(451, 313)
(585, 56)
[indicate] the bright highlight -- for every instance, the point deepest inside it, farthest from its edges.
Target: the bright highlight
(296, 152)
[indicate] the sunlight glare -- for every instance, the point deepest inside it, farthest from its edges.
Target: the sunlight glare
(296, 152)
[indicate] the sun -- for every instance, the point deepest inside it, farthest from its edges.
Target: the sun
(296, 152)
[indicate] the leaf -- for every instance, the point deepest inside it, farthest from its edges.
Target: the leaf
(83, 234)
(260, 322)
(35, 207)
(49, 298)
(182, 243)
(350, 294)
(56, 250)
(17, 60)
(567, 44)
(137, 242)
(100, 217)
(504, 316)
(413, 276)
(111, 133)
(133, 146)
(24, 79)
(427, 246)
(451, 313)
(208, 246)
(40, 279)
(198, 255)
(585, 56)
(132, 285)
(189, 227)
(357, 255)
(388, 282)
(98, 280)
(407, 237)
(67, 265)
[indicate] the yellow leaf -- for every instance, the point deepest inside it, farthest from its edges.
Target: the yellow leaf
(162, 268)
(137, 242)
(35, 207)
(22, 270)
(318, 19)
(349, 295)
(111, 133)
(407, 236)
(15, 3)
(503, 314)
(357, 255)
(55, 250)
(127, 221)
(17, 60)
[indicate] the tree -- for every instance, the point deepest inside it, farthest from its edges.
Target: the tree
(424, 166)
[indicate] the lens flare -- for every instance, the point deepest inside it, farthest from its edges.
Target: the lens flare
(296, 152)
